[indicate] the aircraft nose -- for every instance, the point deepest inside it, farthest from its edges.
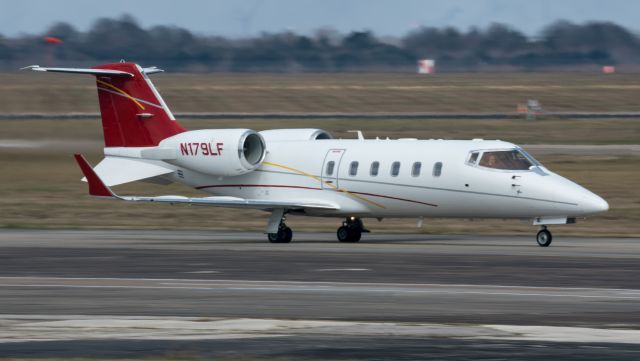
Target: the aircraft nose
(593, 203)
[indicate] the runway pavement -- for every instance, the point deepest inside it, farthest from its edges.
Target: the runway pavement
(147, 293)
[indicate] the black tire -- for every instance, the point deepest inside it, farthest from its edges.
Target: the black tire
(544, 238)
(287, 235)
(284, 235)
(344, 234)
(356, 234)
(273, 238)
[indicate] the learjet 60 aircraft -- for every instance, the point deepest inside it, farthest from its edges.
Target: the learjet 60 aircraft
(307, 172)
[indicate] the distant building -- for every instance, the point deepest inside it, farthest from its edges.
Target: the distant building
(608, 69)
(532, 109)
(426, 66)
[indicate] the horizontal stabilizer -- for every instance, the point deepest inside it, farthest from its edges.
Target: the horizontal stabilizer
(115, 170)
(99, 189)
(105, 72)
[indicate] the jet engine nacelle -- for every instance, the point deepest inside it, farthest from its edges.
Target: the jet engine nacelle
(295, 134)
(218, 152)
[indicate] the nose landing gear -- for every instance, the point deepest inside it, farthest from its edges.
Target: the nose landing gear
(544, 237)
(351, 230)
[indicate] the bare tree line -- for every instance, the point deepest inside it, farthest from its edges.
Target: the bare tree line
(497, 47)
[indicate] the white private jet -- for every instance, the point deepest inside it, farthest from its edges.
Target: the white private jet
(307, 172)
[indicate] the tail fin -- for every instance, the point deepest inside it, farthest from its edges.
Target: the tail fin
(133, 112)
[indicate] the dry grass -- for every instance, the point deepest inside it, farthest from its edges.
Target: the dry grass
(585, 131)
(500, 92)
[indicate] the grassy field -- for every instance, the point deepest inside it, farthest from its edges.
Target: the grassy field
(40, 186)
(566, 131)
(473, 92)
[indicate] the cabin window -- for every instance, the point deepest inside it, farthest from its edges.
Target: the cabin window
(353, 169)
(437, 169)
(473, 158)
(395, 169)
(330, 166)
(375, 167)
(415, 170)
(506, 160)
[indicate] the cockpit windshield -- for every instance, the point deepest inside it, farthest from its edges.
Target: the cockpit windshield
(512, 159)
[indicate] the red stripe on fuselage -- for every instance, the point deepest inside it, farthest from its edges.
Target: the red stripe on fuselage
(312, 188)
(257, 185)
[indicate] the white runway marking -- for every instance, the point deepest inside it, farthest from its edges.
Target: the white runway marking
(217, 281)
(342, 269)
(51, 143)
(321, 287)
(25, 328)
(569, 334)
(11, 143)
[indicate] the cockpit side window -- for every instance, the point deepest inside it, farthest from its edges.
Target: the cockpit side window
(473, 158)
(505, 159)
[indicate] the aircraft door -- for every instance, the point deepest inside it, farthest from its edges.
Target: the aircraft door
(330, 168)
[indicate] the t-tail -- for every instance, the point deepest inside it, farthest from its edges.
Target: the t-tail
(133, 112)
(143, 141)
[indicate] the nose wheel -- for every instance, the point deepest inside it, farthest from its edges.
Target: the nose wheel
(351, 230)
(544, 237)
(284, 234)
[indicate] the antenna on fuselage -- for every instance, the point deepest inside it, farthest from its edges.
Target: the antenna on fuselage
(359, 132)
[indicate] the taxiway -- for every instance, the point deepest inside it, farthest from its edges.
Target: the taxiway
(131, 293)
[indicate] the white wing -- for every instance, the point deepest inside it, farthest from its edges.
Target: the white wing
(99, 189)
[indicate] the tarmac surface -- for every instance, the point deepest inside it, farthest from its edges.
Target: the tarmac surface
(117, 294)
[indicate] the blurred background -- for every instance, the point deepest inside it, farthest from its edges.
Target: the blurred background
(560, 77)
(328, 36)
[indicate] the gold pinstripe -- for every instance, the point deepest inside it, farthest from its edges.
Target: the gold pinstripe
(121, 92)
(327, 183)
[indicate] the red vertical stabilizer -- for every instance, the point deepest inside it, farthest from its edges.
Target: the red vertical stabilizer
(133, 112)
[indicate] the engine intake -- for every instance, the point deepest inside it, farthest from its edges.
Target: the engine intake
(252, 149)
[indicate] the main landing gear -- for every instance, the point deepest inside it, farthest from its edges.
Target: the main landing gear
(351, 230)
(284, 234)
(544, 237)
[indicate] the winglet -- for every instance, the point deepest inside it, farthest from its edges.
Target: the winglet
(96, 186)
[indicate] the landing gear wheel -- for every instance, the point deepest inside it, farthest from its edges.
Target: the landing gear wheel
(544, 238)
(343, 234)
(356, 234)
(284, 235)
(348, 235)
(351, 231)
(288, 235)
(273, 237)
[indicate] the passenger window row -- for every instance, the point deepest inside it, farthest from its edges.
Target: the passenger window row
(374, 170)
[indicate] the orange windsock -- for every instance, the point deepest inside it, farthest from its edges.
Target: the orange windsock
(52, 40)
